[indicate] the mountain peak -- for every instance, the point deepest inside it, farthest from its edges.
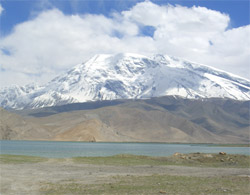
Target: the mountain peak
(129, 76)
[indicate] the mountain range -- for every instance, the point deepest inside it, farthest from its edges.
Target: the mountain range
(159, 119)
(130, 98)
(127, 76)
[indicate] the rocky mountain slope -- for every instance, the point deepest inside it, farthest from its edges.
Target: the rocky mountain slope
(160, 119)
(128, 76)
(15, 127)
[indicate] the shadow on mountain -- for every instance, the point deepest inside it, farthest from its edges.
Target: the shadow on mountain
(43, 112)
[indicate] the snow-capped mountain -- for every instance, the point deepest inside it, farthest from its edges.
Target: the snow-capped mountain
(127, 76)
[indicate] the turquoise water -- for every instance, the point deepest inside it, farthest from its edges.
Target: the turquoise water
(52, 149)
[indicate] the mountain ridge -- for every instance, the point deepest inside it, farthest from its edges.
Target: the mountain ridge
(128, 76)
(158, 119)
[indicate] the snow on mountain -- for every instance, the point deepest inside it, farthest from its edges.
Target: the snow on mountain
(128, 76)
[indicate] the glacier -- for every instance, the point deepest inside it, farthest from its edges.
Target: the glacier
(128, 76)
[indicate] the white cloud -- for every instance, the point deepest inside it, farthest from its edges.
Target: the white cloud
(40, 48)
(1, 9)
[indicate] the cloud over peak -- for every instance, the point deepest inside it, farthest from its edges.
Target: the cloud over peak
(52, 42)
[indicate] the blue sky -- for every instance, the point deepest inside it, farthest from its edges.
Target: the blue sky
(205, 31)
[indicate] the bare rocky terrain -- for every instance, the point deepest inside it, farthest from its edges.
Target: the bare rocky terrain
(13, 126)
(165, 119)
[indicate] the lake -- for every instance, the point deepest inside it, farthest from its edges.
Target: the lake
(53, 149)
